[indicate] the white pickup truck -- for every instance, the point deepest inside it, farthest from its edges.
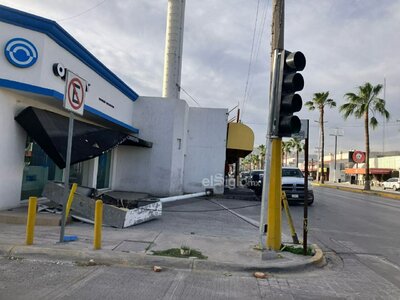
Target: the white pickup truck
(292, 185)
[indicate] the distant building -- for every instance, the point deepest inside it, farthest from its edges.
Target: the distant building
(381, 167)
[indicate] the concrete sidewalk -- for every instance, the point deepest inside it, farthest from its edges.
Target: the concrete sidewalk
(134, 246)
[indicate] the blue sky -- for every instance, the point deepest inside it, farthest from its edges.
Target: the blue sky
(346, 43)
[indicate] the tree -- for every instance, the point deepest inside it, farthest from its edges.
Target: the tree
(361, 105)
(297, 145)
(286, 149)
(319, 102)
(254, 159)
(261, 148)
(245, 163)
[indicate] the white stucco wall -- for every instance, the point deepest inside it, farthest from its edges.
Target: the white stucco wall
(189, 144)
(206, 149)
(12, 148)
(157, 170)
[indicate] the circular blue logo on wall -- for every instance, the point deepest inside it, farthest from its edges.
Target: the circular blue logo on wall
(21, 52)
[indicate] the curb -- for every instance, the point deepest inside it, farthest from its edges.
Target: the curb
(354, 190)
(108, 257)
(319, 257)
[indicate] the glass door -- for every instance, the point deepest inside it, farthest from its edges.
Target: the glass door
(103, 172)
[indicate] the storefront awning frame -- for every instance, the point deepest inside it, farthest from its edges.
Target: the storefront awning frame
(50, 131)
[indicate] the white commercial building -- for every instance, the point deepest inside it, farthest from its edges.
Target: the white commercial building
(122, 141)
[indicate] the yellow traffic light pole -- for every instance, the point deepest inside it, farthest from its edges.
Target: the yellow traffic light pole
(274, 197)
(285, 81)
(273, 239)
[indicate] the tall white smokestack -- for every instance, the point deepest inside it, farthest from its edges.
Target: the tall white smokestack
(173, 49)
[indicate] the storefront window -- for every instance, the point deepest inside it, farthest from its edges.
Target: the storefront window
(76, 173)
(103, 173)
(39, 169)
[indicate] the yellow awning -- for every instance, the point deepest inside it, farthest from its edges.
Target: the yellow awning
(240, 141)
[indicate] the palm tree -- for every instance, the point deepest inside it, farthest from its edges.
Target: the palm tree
(286, 149)
(297, 145)
(245, 162)
(319, 102)
(261, 148)
(254, 159)
(361, 105)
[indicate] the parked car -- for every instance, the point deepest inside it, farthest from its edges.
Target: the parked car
(292, 185)
(391, 183)
(254, 179)
(244, 177)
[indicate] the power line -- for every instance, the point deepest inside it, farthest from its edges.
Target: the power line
(393, 124)
(261, 32)
(188, 94)
(251, 56)
(231, 110)
(82, 13)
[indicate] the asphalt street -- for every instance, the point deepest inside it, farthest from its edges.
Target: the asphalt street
(359, 225)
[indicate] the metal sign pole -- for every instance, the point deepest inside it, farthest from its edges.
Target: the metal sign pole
(66, 174)
(305, 221)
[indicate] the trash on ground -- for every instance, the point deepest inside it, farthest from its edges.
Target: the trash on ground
(260, 275)
(157, 269)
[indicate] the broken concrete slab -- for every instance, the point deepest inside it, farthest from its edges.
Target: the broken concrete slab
(130, 212)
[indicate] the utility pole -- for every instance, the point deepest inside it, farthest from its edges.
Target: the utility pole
(320, 175)
(237, 164)
(384, 120)
(319, 151)
(336, 134)
(271, 193)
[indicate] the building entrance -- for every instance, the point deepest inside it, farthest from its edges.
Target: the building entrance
(39, 169)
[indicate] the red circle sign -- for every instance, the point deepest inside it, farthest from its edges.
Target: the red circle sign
(358, 157)
(75, 93)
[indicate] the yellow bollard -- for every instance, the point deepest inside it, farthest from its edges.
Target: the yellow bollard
(274, 197)
(30, 222)
(70, 199)
(98, 221)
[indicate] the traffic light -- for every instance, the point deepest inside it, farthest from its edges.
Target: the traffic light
(290, 82)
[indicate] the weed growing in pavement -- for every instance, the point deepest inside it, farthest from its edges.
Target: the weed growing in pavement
(297, 250)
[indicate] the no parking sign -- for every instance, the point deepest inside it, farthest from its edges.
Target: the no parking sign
(75, 92)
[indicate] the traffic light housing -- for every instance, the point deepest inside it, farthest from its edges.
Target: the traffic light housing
(290, 82)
